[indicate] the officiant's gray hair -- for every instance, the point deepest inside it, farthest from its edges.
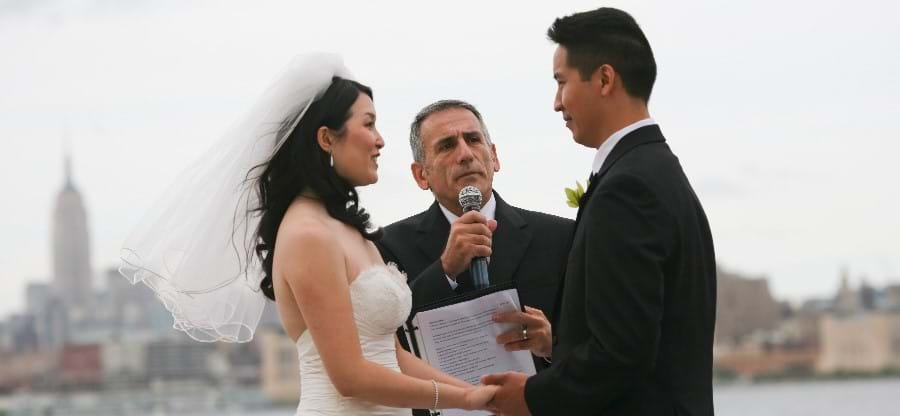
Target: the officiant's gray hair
(415, 130)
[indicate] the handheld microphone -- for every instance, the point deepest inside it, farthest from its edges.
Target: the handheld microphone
(470, 200)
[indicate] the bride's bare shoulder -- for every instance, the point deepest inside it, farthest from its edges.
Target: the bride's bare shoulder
(307, 247)
(305, 225)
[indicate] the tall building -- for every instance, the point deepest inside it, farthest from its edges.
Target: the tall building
(179, 358)
(866, 342)
(745, 306)
(80, 367)
(21, 333)
(71, 246)
(279, 367)
(50, 320)
(891, 298)
(847, 301)
(133, 311)
(5, 338)
(37, 296)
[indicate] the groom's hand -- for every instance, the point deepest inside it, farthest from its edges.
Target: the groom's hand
(470, 237)
(534, 324)
(509, 400)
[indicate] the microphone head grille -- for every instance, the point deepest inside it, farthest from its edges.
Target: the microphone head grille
(470, 198)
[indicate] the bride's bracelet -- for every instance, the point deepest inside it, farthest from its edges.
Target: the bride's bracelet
(434, 409)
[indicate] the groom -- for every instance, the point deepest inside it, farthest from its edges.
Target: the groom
(636, 310)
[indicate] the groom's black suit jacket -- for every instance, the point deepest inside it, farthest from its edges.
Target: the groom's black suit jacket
(528, 247)
(636, 313)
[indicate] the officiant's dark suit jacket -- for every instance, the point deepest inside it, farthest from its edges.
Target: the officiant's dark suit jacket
(636, 313)
(528, 247)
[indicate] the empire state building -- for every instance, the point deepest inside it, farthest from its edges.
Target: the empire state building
(71, 250)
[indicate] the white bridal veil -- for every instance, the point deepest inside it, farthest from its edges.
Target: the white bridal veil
(195, 246)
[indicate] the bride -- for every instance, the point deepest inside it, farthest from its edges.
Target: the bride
(273, 209)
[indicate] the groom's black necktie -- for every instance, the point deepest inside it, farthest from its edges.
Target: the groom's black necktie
(583, 200)
(587, 188)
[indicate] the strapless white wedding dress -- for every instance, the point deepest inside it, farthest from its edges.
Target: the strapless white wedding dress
(381, 302)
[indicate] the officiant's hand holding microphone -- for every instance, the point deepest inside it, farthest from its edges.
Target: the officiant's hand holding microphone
(470, 236)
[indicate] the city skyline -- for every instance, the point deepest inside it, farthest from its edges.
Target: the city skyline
(783, 126)
(842, 278)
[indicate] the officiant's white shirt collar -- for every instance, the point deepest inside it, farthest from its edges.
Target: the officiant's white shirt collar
(604, 150)
(489, 209)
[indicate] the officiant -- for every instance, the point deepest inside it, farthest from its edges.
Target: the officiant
(452, 149)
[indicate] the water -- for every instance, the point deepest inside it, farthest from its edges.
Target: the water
(808, 398)
(825, 398)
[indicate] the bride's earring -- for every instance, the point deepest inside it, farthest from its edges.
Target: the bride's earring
(330, 159)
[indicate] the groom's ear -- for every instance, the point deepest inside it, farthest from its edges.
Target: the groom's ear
(603, 79)
(419, 174)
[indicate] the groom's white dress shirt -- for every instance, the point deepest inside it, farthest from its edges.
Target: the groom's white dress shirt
(604, 150)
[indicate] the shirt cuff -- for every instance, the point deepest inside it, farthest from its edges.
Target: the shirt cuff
(453, 284)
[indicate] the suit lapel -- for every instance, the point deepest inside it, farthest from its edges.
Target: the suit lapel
(584, 198)
(641, 136)
(433, 232)
(511, 239)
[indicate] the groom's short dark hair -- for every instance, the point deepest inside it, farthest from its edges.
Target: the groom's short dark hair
(607, 36)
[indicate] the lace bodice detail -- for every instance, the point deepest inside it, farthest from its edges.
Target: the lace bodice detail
(381, 303)
(381, 300)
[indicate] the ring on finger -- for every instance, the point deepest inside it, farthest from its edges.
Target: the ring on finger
(524, 333)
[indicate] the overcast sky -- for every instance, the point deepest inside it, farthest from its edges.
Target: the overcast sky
(784, 114)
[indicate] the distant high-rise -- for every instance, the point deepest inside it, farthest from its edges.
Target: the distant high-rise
(847, 301)
(746, 306)
(71, 249)
(49, 316)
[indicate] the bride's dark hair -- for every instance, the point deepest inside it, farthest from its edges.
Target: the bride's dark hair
(302, 165)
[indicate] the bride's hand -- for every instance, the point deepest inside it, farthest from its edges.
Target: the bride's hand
(477, 397)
